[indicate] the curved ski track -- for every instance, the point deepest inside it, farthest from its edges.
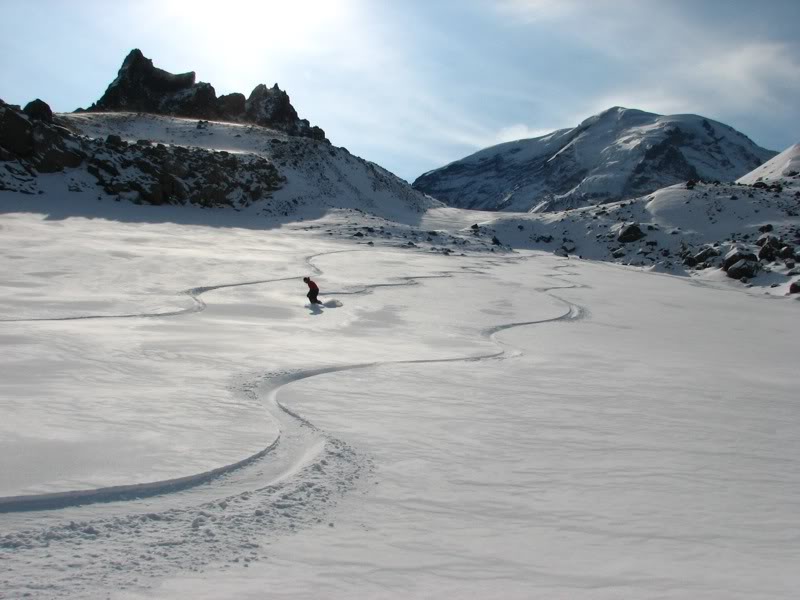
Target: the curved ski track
(254, 499)
(142, 490)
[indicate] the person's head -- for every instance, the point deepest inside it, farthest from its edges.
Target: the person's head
(306, 279)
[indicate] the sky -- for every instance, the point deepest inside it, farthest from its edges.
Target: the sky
(415, 84)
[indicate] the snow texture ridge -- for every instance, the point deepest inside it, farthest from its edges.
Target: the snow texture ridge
(618, 154)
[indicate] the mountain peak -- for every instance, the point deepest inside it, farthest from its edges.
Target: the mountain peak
(620, 153)
(142, 87)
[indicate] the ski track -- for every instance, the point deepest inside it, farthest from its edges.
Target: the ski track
(224, 514)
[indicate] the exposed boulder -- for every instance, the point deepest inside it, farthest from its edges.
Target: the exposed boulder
(768, 252)
(629, 232)
(736, 255)
(767, 238)
(743, 268)
(39, 110)
(705, 254)
(794, 287)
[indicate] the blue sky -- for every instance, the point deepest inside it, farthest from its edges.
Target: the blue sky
(412, 85)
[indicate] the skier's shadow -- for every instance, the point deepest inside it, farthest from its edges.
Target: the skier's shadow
(316, 309)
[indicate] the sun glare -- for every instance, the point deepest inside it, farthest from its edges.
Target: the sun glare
(243, 39)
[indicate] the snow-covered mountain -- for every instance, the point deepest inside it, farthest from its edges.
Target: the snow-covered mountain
(618, 154)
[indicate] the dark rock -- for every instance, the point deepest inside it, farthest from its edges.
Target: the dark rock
(271, 107)
(767, 252)
(787, 252)
(630, 233)
(113, 140)
(743, 268)
(16, 133)
(141, 87)
(706, 253)
(39, 110)
(794, 287)
(768, 239)
(495, 241)
(765, 228)
(736, 255)
(57, 159)
(231, 106)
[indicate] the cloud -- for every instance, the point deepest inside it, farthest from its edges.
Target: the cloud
(664, 57)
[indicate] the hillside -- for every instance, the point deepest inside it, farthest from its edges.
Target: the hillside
(618, 154)
(783, 169)
(718, 232)
(159, 159)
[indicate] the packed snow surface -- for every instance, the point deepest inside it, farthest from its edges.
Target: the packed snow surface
(178, 422)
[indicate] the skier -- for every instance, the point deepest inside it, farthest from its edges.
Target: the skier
(313, 291)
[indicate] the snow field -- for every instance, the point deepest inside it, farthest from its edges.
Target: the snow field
(636, 439)
(631, 453)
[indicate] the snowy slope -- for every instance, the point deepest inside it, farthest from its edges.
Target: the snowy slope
(462, 417)
(318, 176)
(784, 169)
(693, 229)
(151, 159)
(617, 154)
(479, 426)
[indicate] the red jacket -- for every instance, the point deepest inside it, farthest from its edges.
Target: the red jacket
(312, 285)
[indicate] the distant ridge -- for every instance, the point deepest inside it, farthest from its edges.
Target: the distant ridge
(618, 154)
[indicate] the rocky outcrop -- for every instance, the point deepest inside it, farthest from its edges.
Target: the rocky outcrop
(630, 232)
(142, 87)
(39, 110)
(271, 107)
(142, 172)
(32, 140)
